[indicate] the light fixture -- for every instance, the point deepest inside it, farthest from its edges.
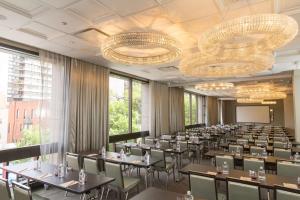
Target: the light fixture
(247, 90)
(254, 33)
(225, 65)
(248, 100)
(141, 48)
(269, 95)
(268, 102)
(214, 86)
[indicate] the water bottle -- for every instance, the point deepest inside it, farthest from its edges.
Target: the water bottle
(188, 196)
(147, 157)
(178, 146)
(225, 168)
(122, 154)
(261, 174)
(103, 152)
(61, 171)
(82, 177)
(264, 153)
(157, 145)
(296, 157)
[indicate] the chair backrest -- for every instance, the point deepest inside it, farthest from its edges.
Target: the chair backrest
(234, 148)
(149, 141)
(21, 192)
(114, 170)
(91, 166)
(220, 159)
(72, 160)
(257, 150)
(183, 144)
(180, 137)
(283, 193)
(118, 147)
(249, 137)
(279, 144)
(136, 151)
(164, 144)
(262, 137)
(261, 142)
(289, 169)
(253, 164)
(4, 189)
(160, 155)
(278, 138)
(203, 186)
(166, 137)
(246, 190)
(241, 141)
(282, 153)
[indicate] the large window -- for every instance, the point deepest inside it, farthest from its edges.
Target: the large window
(194, 108)
(128, 105)
(21, 93)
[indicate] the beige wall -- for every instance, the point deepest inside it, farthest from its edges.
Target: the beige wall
(230, 112)
(289, 113)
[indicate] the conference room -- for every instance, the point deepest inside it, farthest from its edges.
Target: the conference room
(149, 99)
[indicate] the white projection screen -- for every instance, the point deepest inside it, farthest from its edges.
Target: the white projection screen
(253, 114)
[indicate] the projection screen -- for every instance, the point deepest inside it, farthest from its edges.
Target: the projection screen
(254, 114)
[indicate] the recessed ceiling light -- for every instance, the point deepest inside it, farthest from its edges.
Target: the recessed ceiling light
(64, 23)
(2, 17)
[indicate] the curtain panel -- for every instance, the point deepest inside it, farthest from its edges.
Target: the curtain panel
(211, 111)
(159, 109)
(176, 109)
(89, 93)
(54, 107)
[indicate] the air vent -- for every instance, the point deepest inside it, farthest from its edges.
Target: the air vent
(92, 35)
(33, 33)
(168, 69)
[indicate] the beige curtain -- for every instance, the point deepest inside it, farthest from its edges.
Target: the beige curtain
(159, 109)
(211, 111)
(176, 109)
(88, 121)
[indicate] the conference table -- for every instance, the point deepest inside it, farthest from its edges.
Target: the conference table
(159, 194)
(268, 148)
(269, 183)
(131, 160)
(47, 175)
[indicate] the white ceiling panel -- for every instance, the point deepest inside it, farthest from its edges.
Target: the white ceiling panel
(59, 3)
(62, 20)
(90, 9)
(93, 36)
(12, 19)
(183, 10)
(288, 5)
(127, 7)
(72, 42)
(41, 29)
(27, 8)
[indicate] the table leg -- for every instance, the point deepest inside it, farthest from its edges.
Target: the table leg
(146, 178)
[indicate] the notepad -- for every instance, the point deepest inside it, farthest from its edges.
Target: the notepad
(290, 185)
(211, 173)
(243, 178)
(69, 183)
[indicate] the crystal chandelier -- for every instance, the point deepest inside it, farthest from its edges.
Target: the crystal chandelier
(214, 86)
(254, 33)
(268, 102)
(225, 65)
(248, 100)
(141, 48)
(269, 95)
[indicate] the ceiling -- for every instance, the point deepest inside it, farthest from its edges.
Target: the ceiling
(77, 28)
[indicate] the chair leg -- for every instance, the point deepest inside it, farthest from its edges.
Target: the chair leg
(102, 192)
(126, 195)
(66, 193)
(174, 178)
(108, 190)
(167, 180)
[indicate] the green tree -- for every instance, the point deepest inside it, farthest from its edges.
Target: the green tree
(30, 136)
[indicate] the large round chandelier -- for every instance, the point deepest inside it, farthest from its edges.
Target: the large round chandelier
(255, 33)
(141, 48)
(214, 86)
(226, 65)
(248, 100)
(269, 95)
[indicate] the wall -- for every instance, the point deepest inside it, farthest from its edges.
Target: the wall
(230, 112)
(289, 114)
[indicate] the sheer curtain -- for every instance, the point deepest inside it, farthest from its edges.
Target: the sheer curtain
(88, 119)
(176, 109)
(54, 105)
(159, 109)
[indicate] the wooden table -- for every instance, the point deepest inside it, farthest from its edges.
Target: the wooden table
(158, 194)
(27, 170)
(269, 183)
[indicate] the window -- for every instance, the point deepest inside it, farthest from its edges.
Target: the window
(128, 105)
(187, 110)
(20, 92)
(194, 108)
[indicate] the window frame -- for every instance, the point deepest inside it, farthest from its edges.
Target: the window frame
(197, 96)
